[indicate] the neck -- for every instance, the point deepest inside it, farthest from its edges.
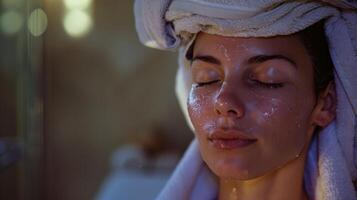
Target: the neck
(283, 183)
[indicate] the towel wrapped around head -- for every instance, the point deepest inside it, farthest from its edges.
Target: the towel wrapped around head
(331, 165)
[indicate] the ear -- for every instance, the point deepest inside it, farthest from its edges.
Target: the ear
(325, 109)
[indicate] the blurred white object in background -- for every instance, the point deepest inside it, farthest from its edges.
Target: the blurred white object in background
(135, 175)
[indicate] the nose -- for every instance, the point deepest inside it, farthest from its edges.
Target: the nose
(228, 103)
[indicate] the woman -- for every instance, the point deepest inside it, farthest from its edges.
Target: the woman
(261, 97)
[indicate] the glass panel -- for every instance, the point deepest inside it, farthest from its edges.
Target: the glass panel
(21, 102)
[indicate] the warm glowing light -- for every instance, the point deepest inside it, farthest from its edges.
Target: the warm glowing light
(77, 23)
(77, 4)
(11, 22)
(37, 22)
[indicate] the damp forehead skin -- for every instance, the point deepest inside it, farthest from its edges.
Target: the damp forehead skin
(225, 52)
(279, 118)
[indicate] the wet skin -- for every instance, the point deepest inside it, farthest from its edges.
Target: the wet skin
(251, 103)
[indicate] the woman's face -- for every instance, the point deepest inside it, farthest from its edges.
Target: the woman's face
(250, 103)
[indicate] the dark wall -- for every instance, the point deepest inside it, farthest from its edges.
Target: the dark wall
(102, 90)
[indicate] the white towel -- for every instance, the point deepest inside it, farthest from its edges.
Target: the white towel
(332, 158)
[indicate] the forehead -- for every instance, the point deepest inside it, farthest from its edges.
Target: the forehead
(290, 46)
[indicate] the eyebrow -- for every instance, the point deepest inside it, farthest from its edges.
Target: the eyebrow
(207, 59)
(263, 58)
(252, 60)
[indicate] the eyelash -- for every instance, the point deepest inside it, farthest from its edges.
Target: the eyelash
(206, 83)
(259, 83)
(269, 85)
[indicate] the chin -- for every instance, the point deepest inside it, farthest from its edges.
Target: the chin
(231, 170)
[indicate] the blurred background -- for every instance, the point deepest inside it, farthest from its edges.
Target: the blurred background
(86, 111)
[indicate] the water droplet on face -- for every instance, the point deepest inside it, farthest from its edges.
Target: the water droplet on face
(193, 100)
(251, 49)
(234, 194)
(298, 124)
(224, 50)
(222, 145)
(271, 112)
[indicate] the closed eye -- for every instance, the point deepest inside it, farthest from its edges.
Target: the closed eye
(269, 85)
(206, 83)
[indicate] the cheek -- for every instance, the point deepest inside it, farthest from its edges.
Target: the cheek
(194, 104)
(269, 111)
(279, 112)
(265, 112)
(283, 125)
(200, 111)
(199, 107)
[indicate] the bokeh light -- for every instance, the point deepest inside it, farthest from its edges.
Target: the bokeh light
(11, 22)
(37, 22)
(77, 4)
(77, 23)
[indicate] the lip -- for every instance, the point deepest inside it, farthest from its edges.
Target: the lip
(229, 140)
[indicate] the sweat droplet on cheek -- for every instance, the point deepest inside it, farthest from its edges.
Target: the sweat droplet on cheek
(270, 113)
(193, 102)
(197, 104)
(263, 112)
(268, 106)
(260, 117)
